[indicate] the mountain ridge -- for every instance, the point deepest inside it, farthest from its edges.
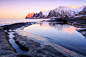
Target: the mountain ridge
(61, 11)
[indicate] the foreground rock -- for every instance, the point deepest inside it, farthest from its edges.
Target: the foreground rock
(26, 43)
(16, 25)
(35, 49)
(46, 51)
(82, 31)
(6, 50)
(5, 47)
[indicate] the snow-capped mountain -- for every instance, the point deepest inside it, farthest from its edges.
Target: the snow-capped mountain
(64, 11)
(38, 15)
(41, 14)
(82, 13)
(61, 11)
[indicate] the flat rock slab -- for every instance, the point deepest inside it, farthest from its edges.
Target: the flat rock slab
(35, 49)
(25, 43)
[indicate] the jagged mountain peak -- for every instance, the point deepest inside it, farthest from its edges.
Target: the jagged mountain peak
(83, 11)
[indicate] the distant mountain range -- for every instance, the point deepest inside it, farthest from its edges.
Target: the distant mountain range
(61, 11)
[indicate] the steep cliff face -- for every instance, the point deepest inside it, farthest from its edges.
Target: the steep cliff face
(83, 12)
(61, 11)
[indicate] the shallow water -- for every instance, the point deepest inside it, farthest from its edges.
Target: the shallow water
(61, 34)
(11, 21)
(14, 45)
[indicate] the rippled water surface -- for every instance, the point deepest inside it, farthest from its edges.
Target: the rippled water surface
(61, 34)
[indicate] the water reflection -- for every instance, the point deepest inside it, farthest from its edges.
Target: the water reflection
(61, 27)
(44, 25)
(70, 30)
(61, 34)
(56, 26)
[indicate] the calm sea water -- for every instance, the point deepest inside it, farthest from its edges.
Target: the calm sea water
(62, 34)
(10, 21)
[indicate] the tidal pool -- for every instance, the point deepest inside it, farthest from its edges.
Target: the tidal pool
(62, 34)
(14, 45)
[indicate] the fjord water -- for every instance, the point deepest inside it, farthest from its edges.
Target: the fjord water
(62, 34)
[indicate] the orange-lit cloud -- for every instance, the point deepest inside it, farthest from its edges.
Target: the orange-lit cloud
(69, 30)
(45, 10)
(73, 6)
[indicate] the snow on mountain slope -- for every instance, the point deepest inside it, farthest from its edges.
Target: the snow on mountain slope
(45, 13)
(67, 11)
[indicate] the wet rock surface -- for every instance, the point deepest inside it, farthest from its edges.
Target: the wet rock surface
(17, 25)
(25, 43)
(46, 51)
(78, 23)
(5, 47)
(35, 49)
(82, 31)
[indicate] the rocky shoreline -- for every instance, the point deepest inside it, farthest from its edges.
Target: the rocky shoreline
(80, 24)
(6, 49)
(33, 48)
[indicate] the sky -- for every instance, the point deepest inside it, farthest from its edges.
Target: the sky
(18, 9)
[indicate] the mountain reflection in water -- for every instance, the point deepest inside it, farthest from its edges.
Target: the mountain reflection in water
(61, 34)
